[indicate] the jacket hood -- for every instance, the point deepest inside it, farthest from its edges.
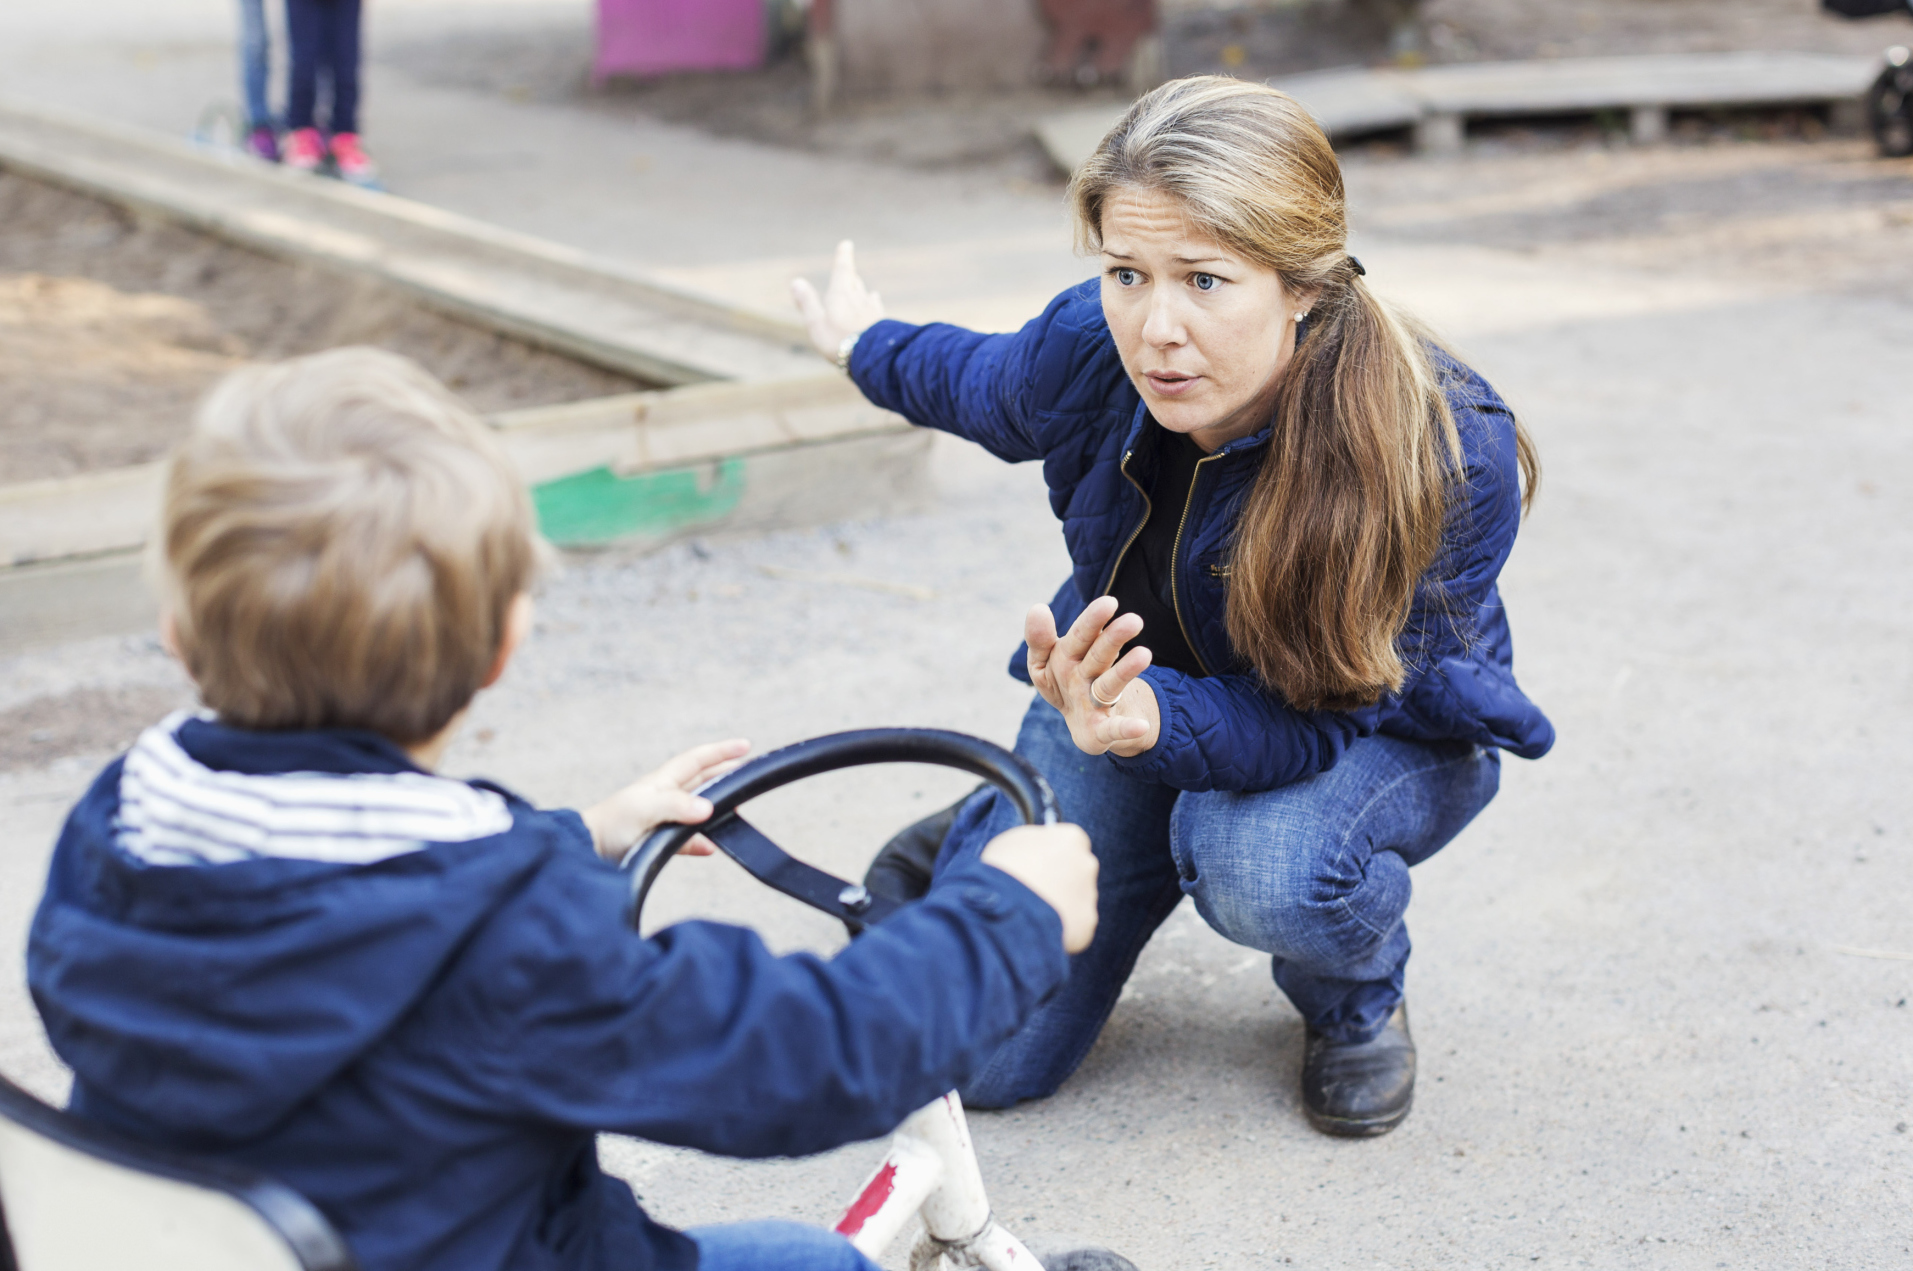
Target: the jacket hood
(259, 973)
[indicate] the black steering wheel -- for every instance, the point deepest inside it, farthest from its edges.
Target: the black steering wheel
(771, 865)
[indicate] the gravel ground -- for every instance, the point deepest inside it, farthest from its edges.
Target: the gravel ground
(1658, 985)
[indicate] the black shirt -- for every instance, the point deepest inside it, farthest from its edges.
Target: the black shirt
(1164, 465)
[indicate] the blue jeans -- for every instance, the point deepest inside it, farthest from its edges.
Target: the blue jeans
(255, 61)
(1315, 874)
(323, 36)
(775, 1246)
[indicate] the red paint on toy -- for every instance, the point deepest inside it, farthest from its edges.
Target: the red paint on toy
(870, 1201)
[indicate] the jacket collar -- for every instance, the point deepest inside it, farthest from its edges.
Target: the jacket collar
(345, 751)
(1140, 419)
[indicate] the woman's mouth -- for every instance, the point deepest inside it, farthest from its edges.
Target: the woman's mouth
(1171, 383)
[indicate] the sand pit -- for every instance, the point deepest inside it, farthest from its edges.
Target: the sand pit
(113, 325)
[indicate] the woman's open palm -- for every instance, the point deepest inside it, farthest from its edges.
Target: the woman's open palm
(1107, 707)
(844, 310)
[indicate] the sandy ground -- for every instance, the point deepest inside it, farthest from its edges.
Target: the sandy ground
(112, 327)
(1659, 986)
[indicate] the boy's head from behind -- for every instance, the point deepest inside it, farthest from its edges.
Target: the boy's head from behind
(341, 545)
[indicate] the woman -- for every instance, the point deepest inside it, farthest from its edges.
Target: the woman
(1284, 674)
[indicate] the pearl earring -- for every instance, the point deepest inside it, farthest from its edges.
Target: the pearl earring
(1301, 317)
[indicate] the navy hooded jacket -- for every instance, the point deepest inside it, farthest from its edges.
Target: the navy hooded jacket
(426, 1045)
(1056, 391)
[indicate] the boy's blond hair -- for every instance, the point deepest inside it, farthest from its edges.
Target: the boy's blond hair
(340, 546)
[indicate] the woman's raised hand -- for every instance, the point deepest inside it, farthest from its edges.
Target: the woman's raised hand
(1106, 705)
(842, 311)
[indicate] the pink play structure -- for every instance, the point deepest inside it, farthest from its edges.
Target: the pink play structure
(654, 37)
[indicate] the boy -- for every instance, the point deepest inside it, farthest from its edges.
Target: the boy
(272, 935)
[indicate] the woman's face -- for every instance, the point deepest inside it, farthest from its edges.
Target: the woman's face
(1203, 331)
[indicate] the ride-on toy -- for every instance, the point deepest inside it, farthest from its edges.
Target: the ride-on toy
(1889, 102)
(931, 1169)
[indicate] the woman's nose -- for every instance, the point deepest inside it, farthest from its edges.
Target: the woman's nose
(1163, 328)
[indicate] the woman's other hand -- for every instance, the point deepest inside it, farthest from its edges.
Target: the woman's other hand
(659, 798)
(842, 311)
(1107, 707)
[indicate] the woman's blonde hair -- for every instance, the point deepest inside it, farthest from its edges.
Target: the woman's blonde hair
(340, 545)
(1347, 512)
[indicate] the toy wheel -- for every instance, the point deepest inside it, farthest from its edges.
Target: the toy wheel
(1889, 105)
(850, 902)
(1085, 1260)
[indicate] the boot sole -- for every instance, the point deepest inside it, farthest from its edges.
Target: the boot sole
(1353, 1128)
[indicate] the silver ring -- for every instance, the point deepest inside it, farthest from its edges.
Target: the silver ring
(1098, 697)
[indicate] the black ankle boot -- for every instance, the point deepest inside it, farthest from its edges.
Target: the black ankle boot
(901, 871)
(1360, 1089)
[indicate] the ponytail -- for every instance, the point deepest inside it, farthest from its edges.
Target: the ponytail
(1348, 509)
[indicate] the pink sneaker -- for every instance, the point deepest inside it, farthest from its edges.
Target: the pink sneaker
(304, 150)
(354, 164)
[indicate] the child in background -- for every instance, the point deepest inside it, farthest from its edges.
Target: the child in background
(255, 70)
(324, 40)
(275, 936)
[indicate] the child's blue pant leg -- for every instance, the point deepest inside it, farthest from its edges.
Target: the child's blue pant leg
(255, 61)
(775, 1246)
(322, 37)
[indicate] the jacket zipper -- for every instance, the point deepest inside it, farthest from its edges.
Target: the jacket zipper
(1175, 552)
(1147, 508)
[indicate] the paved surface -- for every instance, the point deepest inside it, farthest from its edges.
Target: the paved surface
(1658, 986)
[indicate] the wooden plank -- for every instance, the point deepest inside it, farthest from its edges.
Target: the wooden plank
(43, 605)
(596, 311)
(78, 516)
(1437, 100)
(1349, 103)
(1689, 81)
(644, 432)
(850, 478)
(627, 435)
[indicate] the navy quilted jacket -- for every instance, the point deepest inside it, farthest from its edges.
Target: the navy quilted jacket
(1056, 391)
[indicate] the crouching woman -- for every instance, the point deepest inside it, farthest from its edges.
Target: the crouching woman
(1280, 674)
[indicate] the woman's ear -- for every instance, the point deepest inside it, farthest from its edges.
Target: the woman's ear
(517, 627)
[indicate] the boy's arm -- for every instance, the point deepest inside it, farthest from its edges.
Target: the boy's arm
(700, 1037)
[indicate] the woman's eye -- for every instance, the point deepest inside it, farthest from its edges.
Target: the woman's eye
(1207, 282)
(1126, 277)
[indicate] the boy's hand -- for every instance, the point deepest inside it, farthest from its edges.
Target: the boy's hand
(1055, 862)
(657, 798)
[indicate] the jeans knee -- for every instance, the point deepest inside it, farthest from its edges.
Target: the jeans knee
(1307, 897)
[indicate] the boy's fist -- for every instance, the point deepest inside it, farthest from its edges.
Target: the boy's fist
(1055, 862)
